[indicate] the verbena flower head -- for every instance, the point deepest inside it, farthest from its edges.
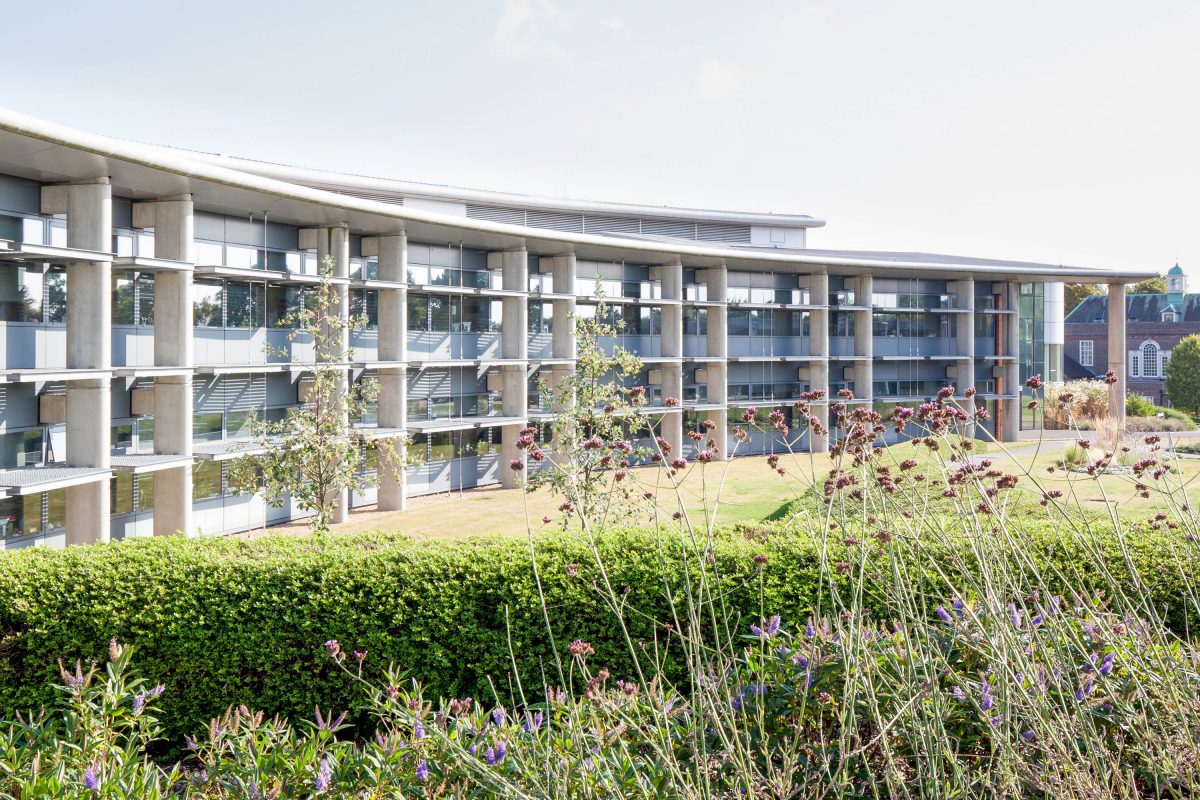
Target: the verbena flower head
(90, 780)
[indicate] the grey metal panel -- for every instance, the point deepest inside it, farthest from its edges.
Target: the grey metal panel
(209, 226)
(716, 232)
(244, 392)
(20, 195)
(120, 399)
(122, 212)
(280, 390)
(418, 253)
(429, 382)
(513, 216)
(555, 221)
(680, 229)
(283, 237)
(18, 405)
(593, 224)
(240, 230)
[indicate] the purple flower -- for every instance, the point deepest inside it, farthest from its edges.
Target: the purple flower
(501, 750)
(986, 701)
(768, 630)
(1085, 690)
(534, 723)
(944, 615)
(324, 775)
(498, 716)
(331, 724)
(422, 772)
(139, 702)
(958, 607)
(490, 756)
(90, 780)
(1106, 664)
(1028, 736)
(809, 630)
(1014, 614)
(418, 730)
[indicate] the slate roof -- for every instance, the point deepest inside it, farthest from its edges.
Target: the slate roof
(1138, 308)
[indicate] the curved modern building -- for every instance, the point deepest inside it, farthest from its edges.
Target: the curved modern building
(141, 286)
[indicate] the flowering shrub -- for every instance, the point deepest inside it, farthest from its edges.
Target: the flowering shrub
(929, 622)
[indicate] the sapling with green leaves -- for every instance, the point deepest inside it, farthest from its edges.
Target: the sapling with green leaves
(315, 452)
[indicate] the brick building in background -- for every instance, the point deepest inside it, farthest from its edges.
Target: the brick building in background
(1154, 324)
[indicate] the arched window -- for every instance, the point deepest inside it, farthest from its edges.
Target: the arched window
(1150, 360)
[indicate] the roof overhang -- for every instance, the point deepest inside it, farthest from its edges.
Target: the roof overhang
(52, 153)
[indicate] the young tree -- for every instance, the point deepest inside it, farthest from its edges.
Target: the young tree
(598, 419)
(1183, 374)
(1076, 293)
(314, 453)
(1149, 286)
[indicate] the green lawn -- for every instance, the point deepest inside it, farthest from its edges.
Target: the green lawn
(749, 491)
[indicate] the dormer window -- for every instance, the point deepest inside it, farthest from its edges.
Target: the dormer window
(1168, 316)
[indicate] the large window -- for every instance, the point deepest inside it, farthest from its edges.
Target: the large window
(29, 294)
(364, 305)
(206, 304)
(1150, 360)
(206, 480)
(541, 317)
(282, 302)
(132, 298)
(1086, 352)
(245, 305)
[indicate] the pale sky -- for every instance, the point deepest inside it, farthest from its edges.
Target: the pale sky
(1064, 132)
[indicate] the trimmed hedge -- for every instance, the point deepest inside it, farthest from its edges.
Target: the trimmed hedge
(225, 621)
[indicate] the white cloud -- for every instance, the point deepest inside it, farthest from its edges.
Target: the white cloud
(717, 79)
(531, 28)
(613, 23)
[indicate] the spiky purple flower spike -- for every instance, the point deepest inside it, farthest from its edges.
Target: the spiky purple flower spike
(422, 772)
(768, 630)
(90, 780)
(1106, 663)
(944, 615)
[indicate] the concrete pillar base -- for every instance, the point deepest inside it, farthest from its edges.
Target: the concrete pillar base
(173, 502)
(88, 512)
(509, 452)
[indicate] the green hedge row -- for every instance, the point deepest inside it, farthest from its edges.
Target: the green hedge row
(223, 621)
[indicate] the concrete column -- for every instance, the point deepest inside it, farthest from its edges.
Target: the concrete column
(173, 223)
(514, 332)
(1117, 350)
(515, 403)
(672, 423)
(964, 368)
(88, 206)
(671, 276)
(717, 341)
(392, 252)
(1010, 409)
(864, 339)
(562, 332)
(334, 242)
(818, 347)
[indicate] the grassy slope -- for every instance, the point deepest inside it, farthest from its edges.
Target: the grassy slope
(751, 492)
